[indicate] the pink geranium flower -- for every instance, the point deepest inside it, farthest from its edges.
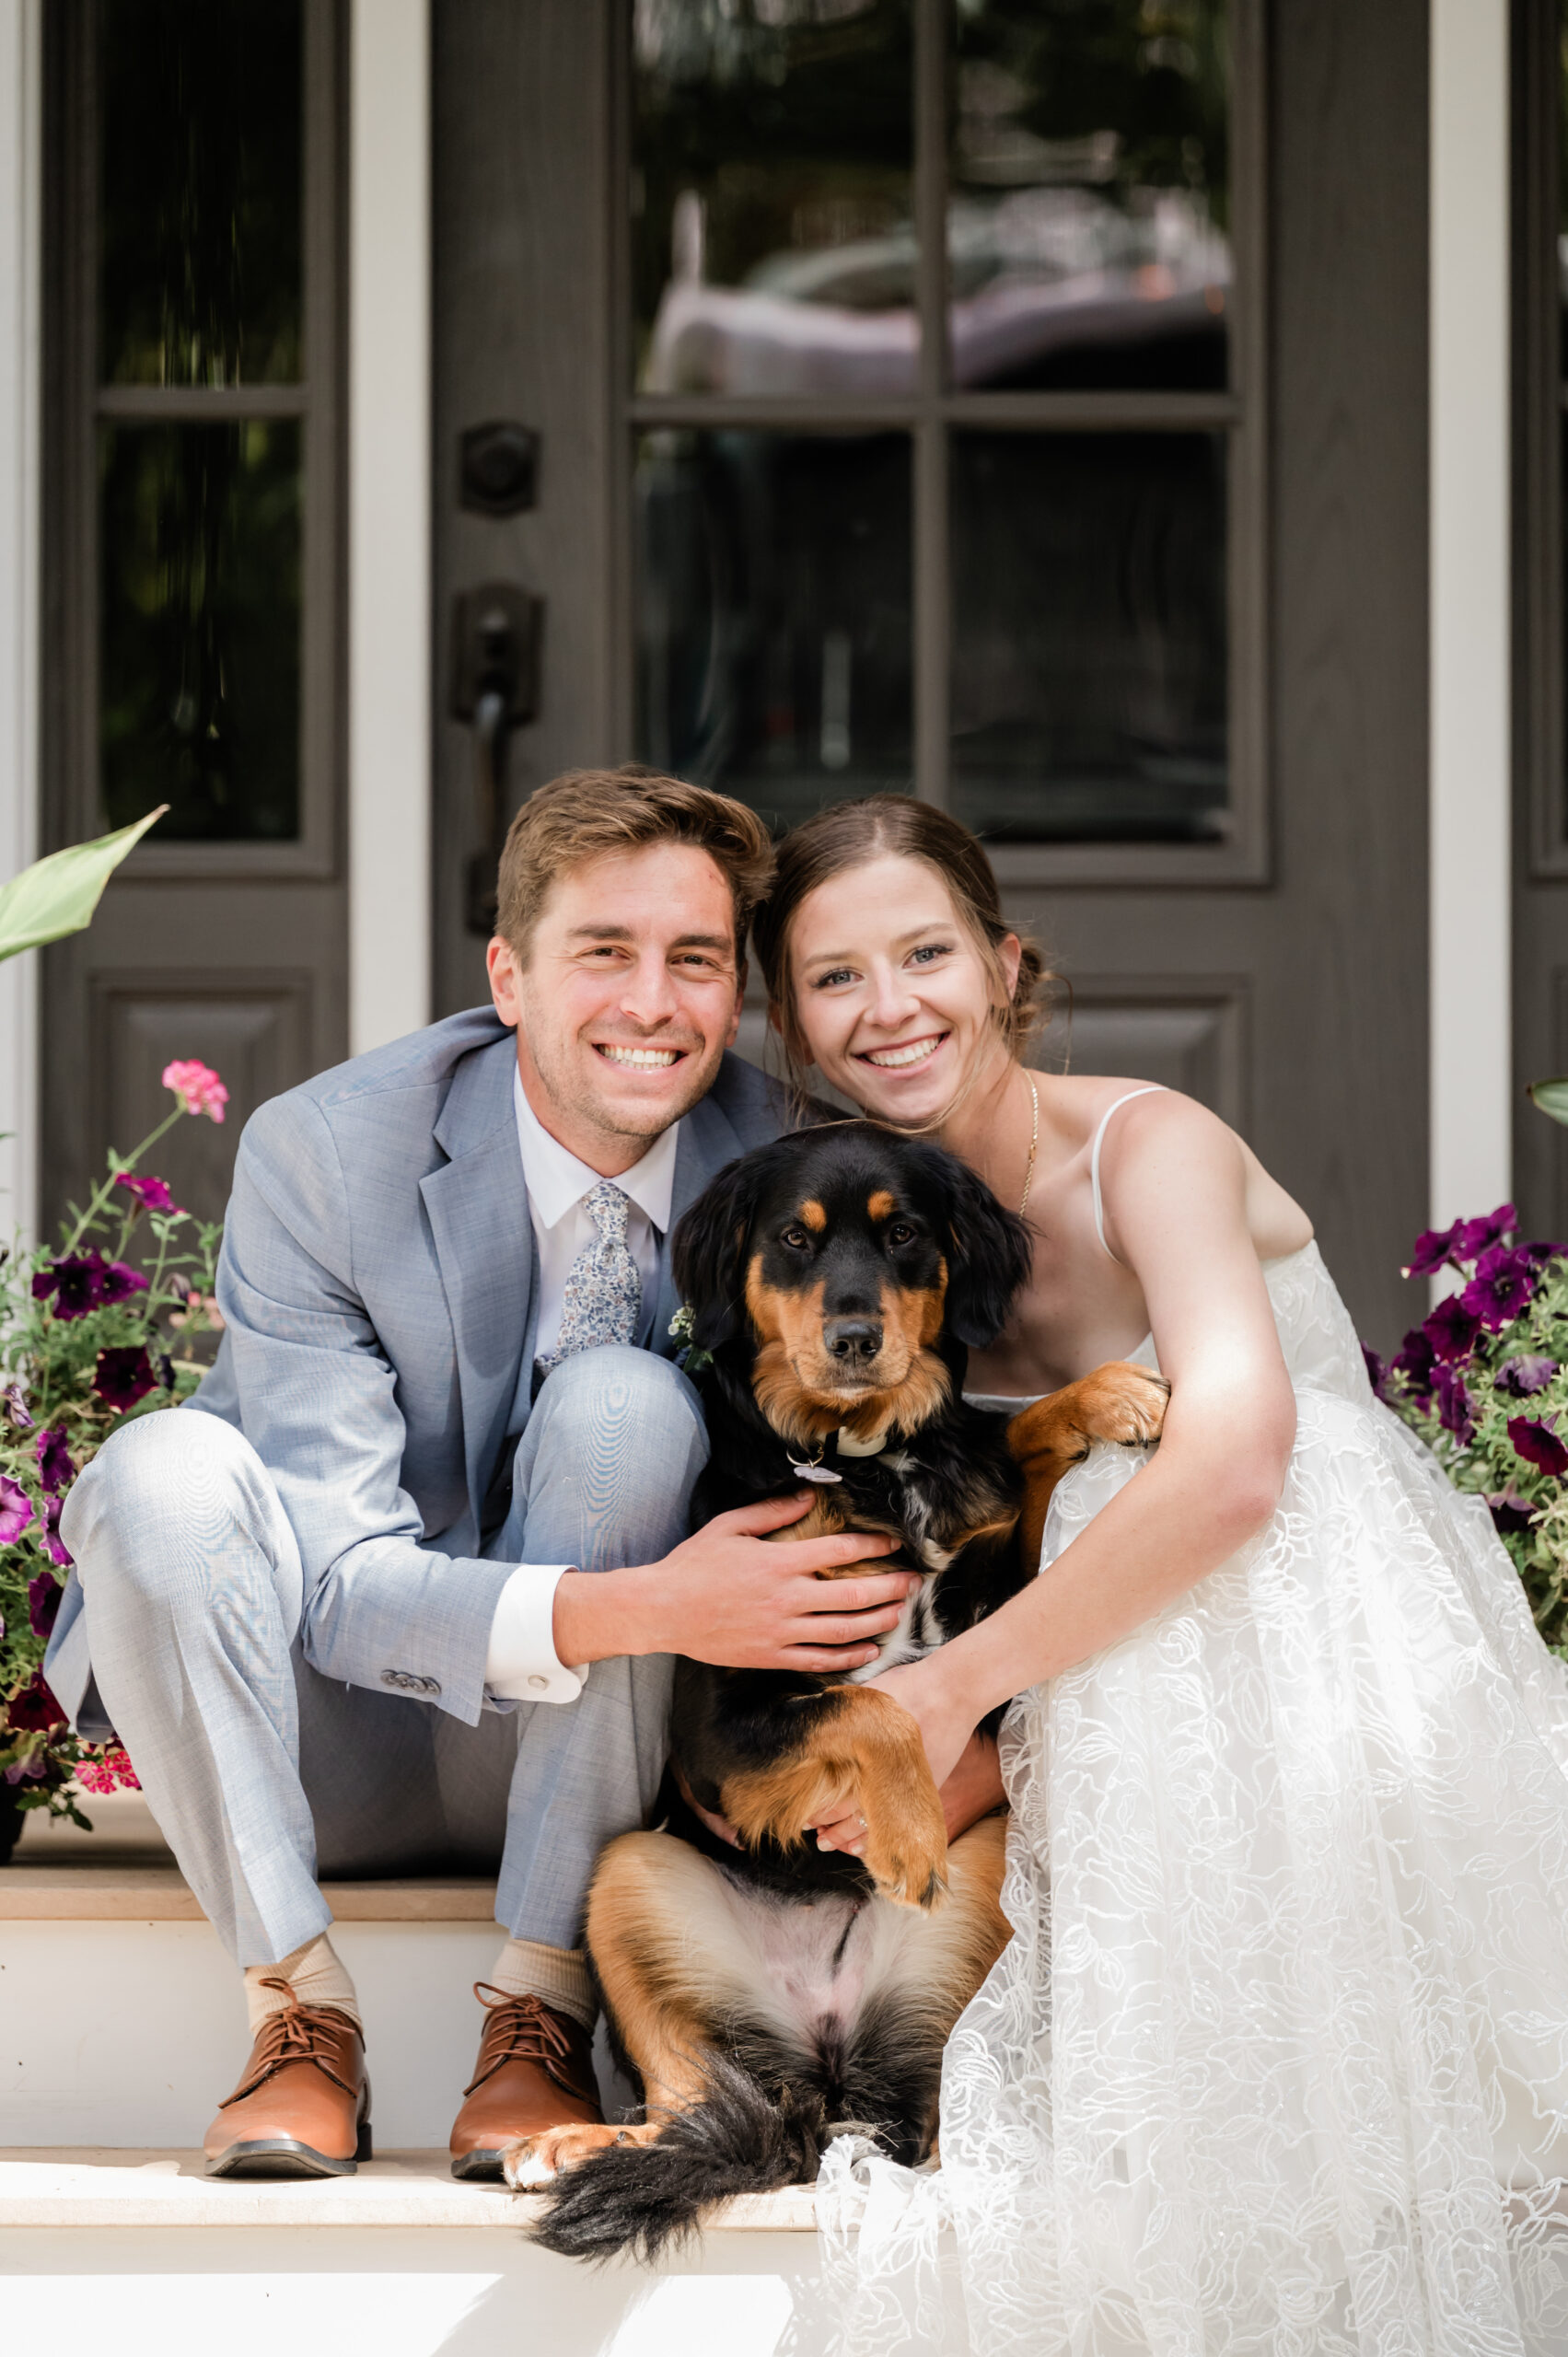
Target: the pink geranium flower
(198, 1089)
(105, 1774)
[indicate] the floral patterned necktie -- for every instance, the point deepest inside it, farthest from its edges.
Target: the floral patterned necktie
(602, 1300)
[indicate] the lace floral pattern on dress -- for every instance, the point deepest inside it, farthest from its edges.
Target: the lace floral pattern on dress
(1276, 2062)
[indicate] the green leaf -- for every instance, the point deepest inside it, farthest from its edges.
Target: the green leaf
(57, 895)
(1552, 1096)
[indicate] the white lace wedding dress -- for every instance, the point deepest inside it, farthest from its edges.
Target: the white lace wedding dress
(1276, 2062)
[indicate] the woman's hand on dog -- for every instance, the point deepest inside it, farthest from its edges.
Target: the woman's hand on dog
(730, 1596)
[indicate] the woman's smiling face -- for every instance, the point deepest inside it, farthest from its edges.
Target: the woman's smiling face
(892, 997)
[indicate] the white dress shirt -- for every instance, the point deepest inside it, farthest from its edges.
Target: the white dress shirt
(522, 1662)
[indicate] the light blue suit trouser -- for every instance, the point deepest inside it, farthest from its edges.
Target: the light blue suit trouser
(262, 1773)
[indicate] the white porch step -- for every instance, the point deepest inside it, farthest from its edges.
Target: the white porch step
(140, 2252)
(121, 2022)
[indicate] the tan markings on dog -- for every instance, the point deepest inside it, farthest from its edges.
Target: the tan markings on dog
(638, 1932)
(880, 1205)
(921, 1395)
(798, 1385)
(814, 1215)
(1120, 1401)
(863, 1751)
(1000, 1526)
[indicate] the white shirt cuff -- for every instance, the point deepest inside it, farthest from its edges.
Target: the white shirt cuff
(522, 1664)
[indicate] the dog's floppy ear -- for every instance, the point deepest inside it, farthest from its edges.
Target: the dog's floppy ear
(707, 1251)
(988, 1259)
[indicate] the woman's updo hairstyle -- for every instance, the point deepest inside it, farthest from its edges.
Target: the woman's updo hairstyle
(850, 834)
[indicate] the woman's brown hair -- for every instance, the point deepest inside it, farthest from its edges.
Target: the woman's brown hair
(849, 834)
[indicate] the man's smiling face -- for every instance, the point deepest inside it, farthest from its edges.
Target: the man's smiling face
(630, 996)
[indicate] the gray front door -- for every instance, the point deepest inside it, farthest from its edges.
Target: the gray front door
(1010, 403)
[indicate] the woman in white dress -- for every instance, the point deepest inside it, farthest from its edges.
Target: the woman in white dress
(1276, 2062)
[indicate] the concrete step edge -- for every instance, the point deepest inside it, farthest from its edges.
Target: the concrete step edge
(101, 2185)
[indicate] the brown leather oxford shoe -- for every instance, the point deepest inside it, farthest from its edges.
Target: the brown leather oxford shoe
(303, 2107)
(535, 2071)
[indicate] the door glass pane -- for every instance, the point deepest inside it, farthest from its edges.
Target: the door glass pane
(772, 237)
(201, 191)
(772, 616)
(1088, 678)
(1089, 223)
(199, 633)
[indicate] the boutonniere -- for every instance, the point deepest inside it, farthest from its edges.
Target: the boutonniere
(691, 1360)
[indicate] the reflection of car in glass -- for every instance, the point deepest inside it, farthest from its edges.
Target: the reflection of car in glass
(1041, 277)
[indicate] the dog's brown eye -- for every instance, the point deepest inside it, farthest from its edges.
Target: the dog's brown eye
(900, 1233)
(797, 1239)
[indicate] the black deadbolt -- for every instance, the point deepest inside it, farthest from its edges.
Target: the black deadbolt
(499, 469)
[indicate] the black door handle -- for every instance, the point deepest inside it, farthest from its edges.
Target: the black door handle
(496, 640)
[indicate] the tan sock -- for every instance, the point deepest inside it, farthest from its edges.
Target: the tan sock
(527, 1968)
(316, 1973)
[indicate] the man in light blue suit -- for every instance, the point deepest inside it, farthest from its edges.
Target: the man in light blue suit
(401, 1587)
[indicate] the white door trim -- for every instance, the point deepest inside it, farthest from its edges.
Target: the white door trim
(389, 495)
(21, 123)
(1469, 979)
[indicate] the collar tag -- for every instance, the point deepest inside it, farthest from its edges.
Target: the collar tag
(815, 1473)
(848, 1447)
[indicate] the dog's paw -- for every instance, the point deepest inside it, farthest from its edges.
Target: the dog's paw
(533, 2163)
(1123, 1402)
(906, 1848)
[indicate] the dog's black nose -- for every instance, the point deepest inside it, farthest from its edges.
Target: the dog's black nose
(854, 1338)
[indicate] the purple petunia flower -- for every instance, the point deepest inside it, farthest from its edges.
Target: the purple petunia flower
(1538, 1444)
(55, 1470)
(1433, 1246)
(50, 1539)
(151, 1193)
(16, 1510)
(85, 1282)
(1478, 1235)
(1454, 1405)
(123, 1376)
(1511, 1514)
(43, 1603)
(1518, 1377)
(1377, 1372)
(18, 1413)
(1415, 1360)
(118, 1282)
(1451, 1327)
(1501, 1289)
(34, 1710)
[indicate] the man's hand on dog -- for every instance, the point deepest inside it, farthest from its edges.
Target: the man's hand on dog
(730, 1596)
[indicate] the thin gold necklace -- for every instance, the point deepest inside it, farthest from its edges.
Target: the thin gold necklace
(1034, 1142)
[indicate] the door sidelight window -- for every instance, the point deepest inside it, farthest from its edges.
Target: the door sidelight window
(196, 438)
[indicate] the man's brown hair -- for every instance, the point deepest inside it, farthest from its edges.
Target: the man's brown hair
(585, 813)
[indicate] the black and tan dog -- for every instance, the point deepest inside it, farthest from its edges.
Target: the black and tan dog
(763, 1991)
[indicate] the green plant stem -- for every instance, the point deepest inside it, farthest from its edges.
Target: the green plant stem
(100, 1200)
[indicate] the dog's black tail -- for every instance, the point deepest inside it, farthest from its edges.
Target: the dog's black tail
(643, 2197)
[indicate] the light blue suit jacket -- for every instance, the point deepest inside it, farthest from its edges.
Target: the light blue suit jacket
(375, 1283)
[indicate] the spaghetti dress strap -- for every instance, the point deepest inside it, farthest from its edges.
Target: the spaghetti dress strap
(1153, 1088)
